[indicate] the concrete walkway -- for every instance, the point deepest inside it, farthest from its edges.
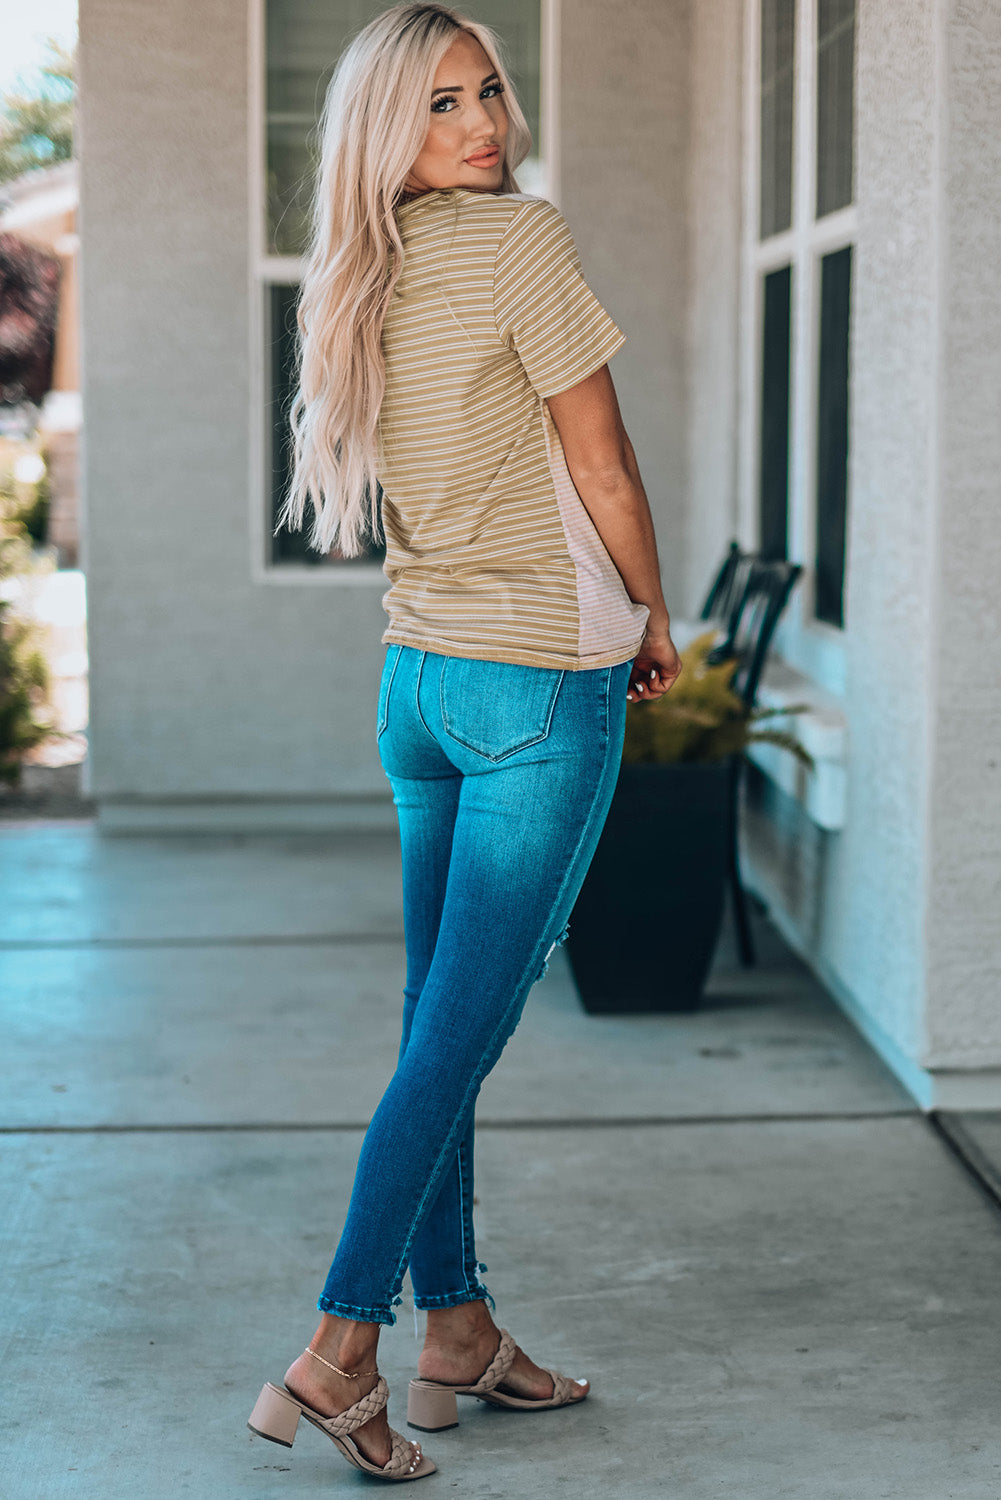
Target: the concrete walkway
(779, 1280)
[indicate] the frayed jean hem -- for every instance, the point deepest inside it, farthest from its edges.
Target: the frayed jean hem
(359, 1314)
(455, 1299)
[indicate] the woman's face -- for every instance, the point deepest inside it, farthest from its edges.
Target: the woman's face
(467, 116)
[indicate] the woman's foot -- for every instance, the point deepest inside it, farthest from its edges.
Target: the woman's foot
(353, 1347)
(460, 1343)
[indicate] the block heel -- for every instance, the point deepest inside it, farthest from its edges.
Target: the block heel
(431, 1407)
(275, 1416)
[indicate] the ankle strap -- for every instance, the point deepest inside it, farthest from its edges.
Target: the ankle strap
(348, 1374)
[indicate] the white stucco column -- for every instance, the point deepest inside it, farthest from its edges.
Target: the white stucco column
(912, 917)
(962, 911)
(622, 109)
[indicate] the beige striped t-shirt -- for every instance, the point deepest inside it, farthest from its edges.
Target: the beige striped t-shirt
(490, 552)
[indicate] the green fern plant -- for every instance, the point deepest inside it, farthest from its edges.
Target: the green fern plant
(701, 718)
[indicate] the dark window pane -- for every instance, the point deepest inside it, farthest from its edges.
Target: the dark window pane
(778, 36)
(835, 104)
(773, 494)
(291, 546)
(832, 434)
(304, 40)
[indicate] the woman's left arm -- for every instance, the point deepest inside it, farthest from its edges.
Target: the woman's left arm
(603, 468)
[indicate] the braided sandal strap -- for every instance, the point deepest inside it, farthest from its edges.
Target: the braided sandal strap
(404, 1456)
(498, 1367)
(564, 1389)
(364, 1409)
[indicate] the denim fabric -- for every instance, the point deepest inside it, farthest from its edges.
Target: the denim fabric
(502, 776)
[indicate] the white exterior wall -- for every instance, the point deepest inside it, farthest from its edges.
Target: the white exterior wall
(713, 291)
(962, 921)
(208, 688)
(206, 685)
(898, 910)
(622, 181)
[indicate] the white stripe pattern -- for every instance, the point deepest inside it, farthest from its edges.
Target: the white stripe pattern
(490, 552)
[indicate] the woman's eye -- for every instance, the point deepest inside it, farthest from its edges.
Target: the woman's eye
(436, 106)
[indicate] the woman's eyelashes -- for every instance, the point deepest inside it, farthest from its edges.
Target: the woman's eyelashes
(491, 89)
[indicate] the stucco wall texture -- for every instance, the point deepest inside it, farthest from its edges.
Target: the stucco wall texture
(203, 682)
(962, 920)
(899, 910)
(623, 109)
(712, 329)
(206, 683)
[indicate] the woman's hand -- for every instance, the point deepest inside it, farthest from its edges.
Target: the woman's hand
(657, 666)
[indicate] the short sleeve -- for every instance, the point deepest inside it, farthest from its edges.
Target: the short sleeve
(543, 307)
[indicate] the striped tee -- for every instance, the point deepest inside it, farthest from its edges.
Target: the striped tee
(490, 552)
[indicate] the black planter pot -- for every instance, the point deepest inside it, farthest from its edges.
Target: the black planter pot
(644, 928)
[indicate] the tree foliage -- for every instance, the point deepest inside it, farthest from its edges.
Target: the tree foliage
(26, 714)
(36, 119)
(29, 307)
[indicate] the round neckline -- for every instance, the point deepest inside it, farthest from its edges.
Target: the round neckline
(442, 193)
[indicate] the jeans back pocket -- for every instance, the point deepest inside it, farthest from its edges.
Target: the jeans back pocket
(497, 707)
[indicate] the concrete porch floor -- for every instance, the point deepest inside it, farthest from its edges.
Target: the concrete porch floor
(777, 1277)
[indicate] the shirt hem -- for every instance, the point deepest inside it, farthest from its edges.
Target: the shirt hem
(512, 654)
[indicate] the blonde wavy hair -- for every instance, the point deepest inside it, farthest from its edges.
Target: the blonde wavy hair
(374, 122)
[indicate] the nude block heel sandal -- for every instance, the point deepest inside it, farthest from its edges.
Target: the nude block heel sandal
(276, 1417)
(432, 1407)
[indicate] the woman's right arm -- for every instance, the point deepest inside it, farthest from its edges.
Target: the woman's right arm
(603, 468)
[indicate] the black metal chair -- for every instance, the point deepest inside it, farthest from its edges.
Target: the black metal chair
(727, 587)
(763, 595)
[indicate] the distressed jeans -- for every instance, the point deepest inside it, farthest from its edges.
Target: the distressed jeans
(502, 776)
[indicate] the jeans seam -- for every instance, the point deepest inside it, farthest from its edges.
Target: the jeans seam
(389, 688)
(462, 1215)
(451, 1140)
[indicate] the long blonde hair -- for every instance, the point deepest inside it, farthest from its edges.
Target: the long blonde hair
(374, 122)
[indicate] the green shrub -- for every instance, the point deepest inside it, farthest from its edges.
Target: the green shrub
(25, 714)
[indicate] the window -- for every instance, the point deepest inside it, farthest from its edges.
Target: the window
(798, 240)
(298, 44)
(835, 104)
(832, 433)
(778, 22)
(773, 492)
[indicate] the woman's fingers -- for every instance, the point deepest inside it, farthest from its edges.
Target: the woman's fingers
(648, 683)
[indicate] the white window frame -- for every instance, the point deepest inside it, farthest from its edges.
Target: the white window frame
(815, 647)
(266, 270)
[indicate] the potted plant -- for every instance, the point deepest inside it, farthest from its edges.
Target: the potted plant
(646, 922)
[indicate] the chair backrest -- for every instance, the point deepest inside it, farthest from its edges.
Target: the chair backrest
(766, 590)
(726, 591)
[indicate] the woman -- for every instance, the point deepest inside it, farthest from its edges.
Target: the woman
(452, 349)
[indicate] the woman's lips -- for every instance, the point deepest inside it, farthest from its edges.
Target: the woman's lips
(484, 158)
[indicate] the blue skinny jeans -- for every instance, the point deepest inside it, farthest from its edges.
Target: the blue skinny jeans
(502, 776)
